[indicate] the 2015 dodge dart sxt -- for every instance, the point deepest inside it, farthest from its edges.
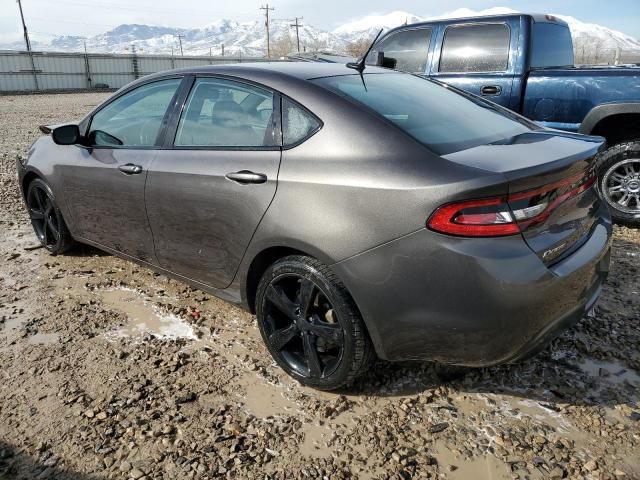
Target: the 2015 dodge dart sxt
(356, 213)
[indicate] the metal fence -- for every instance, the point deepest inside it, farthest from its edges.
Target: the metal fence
(42, 71)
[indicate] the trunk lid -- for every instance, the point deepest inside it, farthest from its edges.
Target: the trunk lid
(551, 181)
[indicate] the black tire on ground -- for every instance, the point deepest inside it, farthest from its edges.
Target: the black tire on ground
(618, 170)
(311, 325)
(46, 218)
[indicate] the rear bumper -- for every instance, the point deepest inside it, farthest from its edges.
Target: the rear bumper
(474, 302)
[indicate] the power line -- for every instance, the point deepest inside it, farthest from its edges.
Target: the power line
(266, 24)
(297, 25)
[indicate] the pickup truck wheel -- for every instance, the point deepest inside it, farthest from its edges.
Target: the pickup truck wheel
(619, 182)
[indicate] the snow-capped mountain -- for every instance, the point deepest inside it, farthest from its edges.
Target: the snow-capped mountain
(248, 38)
(238, 38)
(369, 26)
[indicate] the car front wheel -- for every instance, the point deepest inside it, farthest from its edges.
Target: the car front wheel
(46, 218)
(310, 324)
(619, 182)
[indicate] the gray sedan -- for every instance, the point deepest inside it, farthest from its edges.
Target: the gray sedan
(356, 214)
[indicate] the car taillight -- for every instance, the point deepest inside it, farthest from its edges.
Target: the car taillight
(489, 217)
(507, 215)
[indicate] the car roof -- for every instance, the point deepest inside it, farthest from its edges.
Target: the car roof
(300, 70)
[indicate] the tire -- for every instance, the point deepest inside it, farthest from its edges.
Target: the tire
(46, 218)
(311, 325)
(618, 171)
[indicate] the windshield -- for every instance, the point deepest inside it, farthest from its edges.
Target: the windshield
(443, 119)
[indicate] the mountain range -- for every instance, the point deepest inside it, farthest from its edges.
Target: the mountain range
(248, 38)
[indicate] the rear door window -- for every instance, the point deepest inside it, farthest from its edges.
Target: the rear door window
(409, 49)
(227, 114)
(475, 48)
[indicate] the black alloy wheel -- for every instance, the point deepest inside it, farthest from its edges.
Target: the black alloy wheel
(310, 324)
(46, 218)
(301, 325)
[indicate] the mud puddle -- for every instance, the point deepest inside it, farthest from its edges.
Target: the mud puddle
(478, 468)
(613, 372)
(143, 317)
(263, 399)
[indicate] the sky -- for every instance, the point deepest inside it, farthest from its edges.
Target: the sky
(87, 17)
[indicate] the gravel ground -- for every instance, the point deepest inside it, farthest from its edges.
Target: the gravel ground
(86, 391)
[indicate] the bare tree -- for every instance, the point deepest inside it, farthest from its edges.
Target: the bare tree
(282, 46)
(597, 47)
(580, 51)
(358, 47)
(317, 45)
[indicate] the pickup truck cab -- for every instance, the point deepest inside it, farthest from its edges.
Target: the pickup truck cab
(525, 63)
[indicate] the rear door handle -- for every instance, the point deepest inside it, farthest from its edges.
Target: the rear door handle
(245, 177)
(130, 169)
(491, 90)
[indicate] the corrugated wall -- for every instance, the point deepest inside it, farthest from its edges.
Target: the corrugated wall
(68, 71)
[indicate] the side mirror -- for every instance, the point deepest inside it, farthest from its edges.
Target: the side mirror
(66, 135)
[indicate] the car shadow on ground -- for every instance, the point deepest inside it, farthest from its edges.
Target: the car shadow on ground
(17, 465)
(83, 250)
(553, 376)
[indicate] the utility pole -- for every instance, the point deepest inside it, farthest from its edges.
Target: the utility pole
(28, 44)
(24, 27)
(297, 25)
(267, 9)
(180, 41)
(86, 65)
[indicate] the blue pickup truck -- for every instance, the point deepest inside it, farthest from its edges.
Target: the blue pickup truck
(525, 63)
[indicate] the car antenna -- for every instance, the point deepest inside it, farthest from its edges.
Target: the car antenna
(361, 64)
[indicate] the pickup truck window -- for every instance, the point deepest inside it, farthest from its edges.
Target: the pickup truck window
(552, 46)
(440, 118)
(409, 48)
(475, 48)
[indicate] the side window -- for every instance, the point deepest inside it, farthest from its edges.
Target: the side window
(475, 48)
(409, 48)
(297, 123)
(134, 119)
(224, 113)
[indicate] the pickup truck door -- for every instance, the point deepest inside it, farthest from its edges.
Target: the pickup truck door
(479, 58)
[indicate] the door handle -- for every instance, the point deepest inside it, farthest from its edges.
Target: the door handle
(130, 169)
(245, 177)
(491, 90)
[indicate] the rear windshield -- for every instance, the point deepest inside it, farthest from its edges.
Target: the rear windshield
(442, 119)
(552, 46)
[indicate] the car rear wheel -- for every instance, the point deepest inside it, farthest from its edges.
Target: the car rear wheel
(46, 218)
(310, 324)
(619, 182)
